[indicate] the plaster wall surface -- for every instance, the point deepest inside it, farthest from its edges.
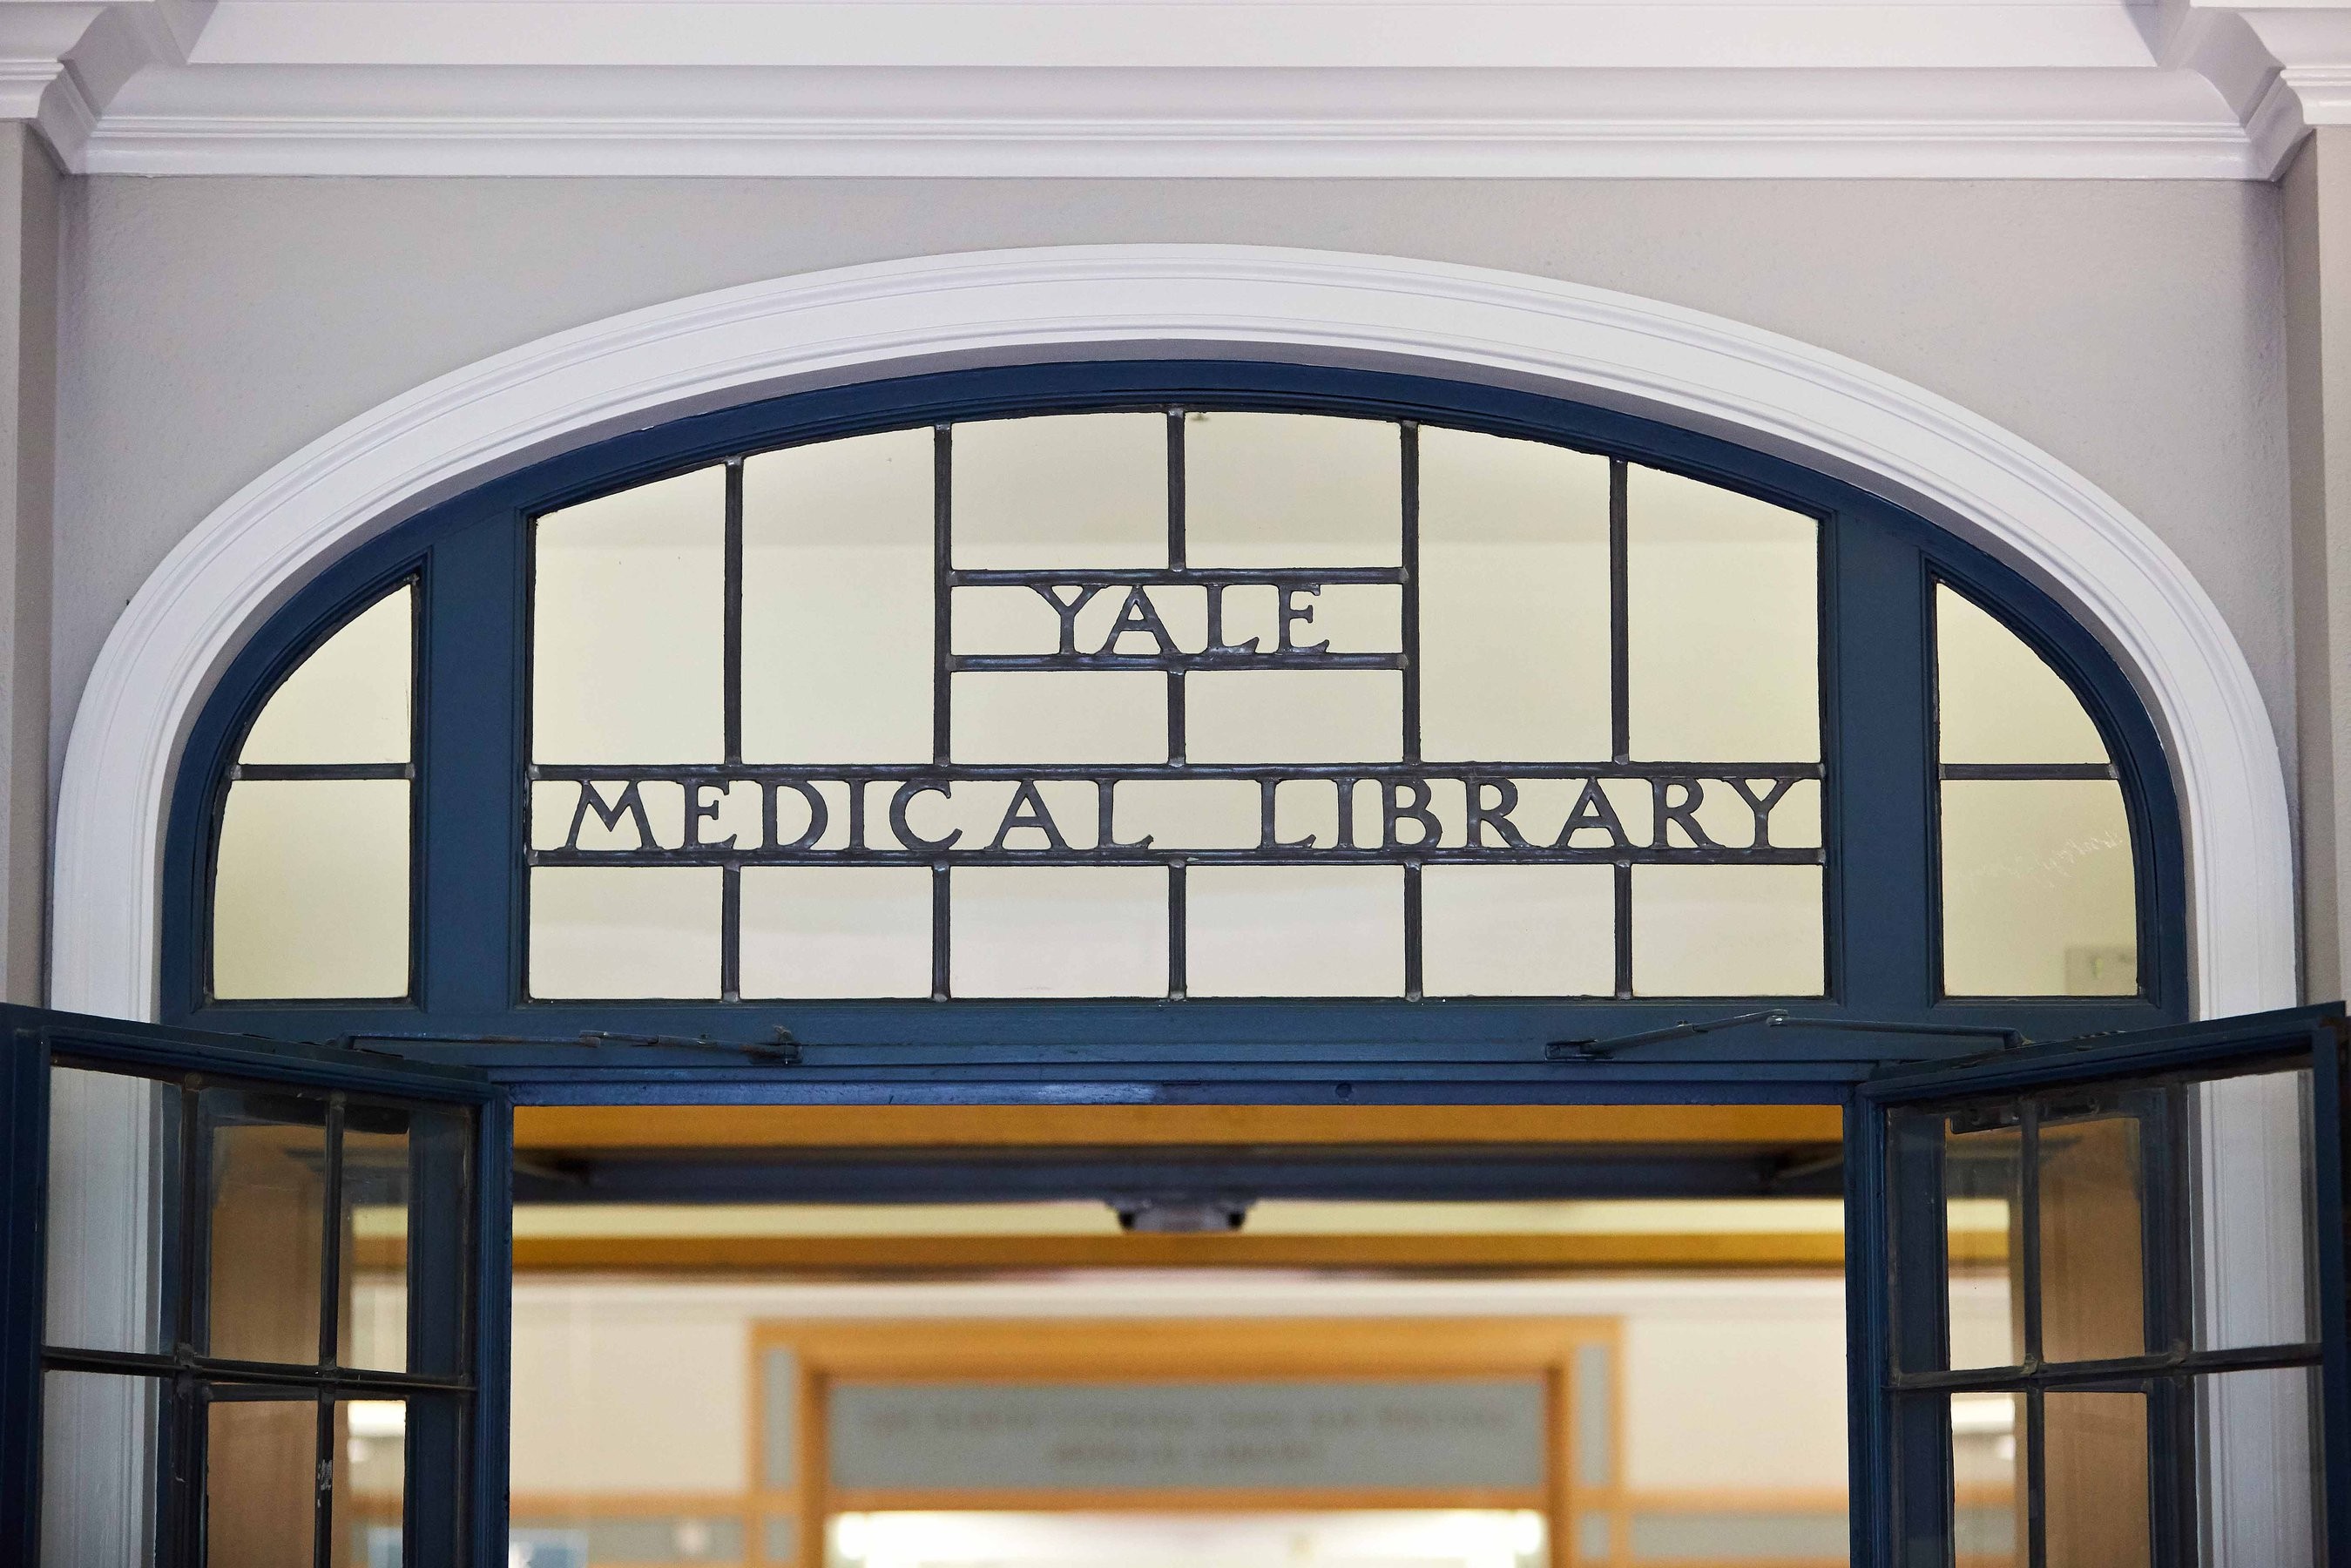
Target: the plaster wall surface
(2134, 329)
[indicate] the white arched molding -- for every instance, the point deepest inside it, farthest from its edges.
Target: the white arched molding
(1680, 366)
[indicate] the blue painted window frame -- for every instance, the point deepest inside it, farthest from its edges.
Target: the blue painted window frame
(1880, 565)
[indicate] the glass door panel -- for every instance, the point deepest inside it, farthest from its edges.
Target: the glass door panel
(2105, 1336)
(262, 1288)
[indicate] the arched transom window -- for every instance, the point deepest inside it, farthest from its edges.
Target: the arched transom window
(1262, 685)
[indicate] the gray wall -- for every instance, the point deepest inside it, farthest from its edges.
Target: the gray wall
(213, 326)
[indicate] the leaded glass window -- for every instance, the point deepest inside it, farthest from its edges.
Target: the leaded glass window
(1174, 704)
(1304, 687)
(311, 880)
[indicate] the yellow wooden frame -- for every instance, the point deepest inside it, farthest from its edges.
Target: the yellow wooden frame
(1185, 1349)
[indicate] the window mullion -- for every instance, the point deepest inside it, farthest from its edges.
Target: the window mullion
(1877, 752)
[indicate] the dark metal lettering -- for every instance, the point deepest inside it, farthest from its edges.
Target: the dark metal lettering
(1346, 839)
(1217, 643)
(632, 805)
(1409, 825)
(1028, 811)
(1396, 809)
(818, 815)
(1762, 805)
(1496, 815)
(1682, 813)
(1066, 610)
(903, 795)
(1265, 835)
(1105, 836)
(698, 811)
(1138, 614)
(1593, 810)
(1294, 613)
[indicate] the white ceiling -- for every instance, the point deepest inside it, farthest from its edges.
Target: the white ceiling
(2167, 88)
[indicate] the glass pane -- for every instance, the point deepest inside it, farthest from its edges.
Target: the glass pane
(628, 626)
(98, 1470)
(2253, 1224)
(1294, 930)
(1987, 1529)
(114, 1143)
(1724, 639)
(2039, 897)
(836, 931)
(2094, 1476)
(1727, 931)
(624, 931)
(1293, 715)
(377, 1156)
(1513, 600)
(1997, 700)
(2262, 1491)
(2093, 1231)
(837, 568)
(1983, 1213)
(265, 1152)
(371, 1483)
(348, 701)
(1293, 490)
(1061, 491)
(310, 895)
(1045, 717)
(261, 1475)
(1057, 931)
(1518, 930)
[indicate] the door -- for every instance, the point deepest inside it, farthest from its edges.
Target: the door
(247, 1317)
(2098, 1302)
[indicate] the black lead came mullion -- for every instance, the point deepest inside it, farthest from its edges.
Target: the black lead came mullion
(1409, 616)
(730, 887)
(1620, 701)
(331, 1348)
(1179, 978)
(942, 677)
(2035, 1450)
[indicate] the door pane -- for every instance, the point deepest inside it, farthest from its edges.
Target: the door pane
(2093, 1231)
(261, 1468)
(2262, 1487)
(371, 1488)
(2095, 1480)
(113, 1152)
(1983, 1216)
(373, 1333)
(1988, 1527)
(266, 1153)
(98, 1470)
(2255, 1216)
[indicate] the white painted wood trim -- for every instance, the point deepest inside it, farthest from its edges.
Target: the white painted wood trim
(1679, 365)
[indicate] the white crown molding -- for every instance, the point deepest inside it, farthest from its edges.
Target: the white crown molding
(1771, 392)
(979, 121)
(1398, 88)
